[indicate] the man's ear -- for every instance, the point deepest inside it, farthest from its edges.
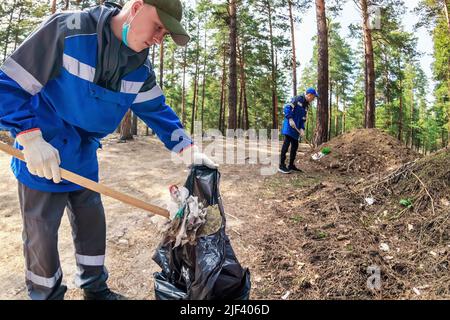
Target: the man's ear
(138, 4)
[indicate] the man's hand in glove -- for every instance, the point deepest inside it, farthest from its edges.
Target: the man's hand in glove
(41, 157)
(302, 132)
(292, 123)
(193, 156)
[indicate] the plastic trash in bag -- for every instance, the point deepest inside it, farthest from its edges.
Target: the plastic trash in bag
(204, 268)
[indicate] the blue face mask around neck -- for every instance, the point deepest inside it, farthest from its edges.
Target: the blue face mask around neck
(125, 28)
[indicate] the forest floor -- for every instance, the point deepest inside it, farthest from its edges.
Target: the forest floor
(310, 235)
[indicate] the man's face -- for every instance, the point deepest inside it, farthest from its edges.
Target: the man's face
(310, 97)
(146, 28)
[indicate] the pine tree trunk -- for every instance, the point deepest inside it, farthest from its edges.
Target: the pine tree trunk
(246, 124)
(448, 129)
(369, 119)
(134, 125)
(446, 5)
(153, 56)
(336, 115)
(205, 48)
(321, 133)
(274, 71)
(307, 127)
(330, 113)
(232, 80)
(125, 127)
(411, 143)
(241, 98)
(388, 93)
(174, 77)
(153, 63)
(183, 93)
(344, 118)
(443, 137)
(224, 115)
(400, 111)
(243, 121)
(294, 58)
(222, 93)
(53, 7)
(194, 98)
(446, 12)
(161, 65)
(241, 85)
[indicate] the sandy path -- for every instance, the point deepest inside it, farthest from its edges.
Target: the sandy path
(140, 168)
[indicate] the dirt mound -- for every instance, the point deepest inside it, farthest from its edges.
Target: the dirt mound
(364, 151)
(422, 185)
(6, 138)
(412, 214)
(342, 239)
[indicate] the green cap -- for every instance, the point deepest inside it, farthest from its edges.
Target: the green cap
(170, 13)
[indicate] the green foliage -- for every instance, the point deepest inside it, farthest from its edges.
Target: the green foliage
(424, 120)
(406, 203)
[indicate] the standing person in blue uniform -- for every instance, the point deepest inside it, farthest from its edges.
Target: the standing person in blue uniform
(67, 86)
(295, 114)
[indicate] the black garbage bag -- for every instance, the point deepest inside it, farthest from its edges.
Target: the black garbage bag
(208, 270)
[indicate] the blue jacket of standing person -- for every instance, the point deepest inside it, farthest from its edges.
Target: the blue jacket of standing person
(297, 109)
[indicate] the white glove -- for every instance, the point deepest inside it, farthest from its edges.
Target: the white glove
(193, 156)
(292, 123)
(41, 157)
(302, 132)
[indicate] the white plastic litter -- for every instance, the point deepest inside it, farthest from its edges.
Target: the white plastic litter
(286, 295)
(193, 215)
(317, 156)
(384, 247)
(370, 201)
(178, 196)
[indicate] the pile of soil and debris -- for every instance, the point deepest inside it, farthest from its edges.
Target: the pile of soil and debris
(6, 138)
(335, 235)
(364, 151)
(419, 186)
(411, 213)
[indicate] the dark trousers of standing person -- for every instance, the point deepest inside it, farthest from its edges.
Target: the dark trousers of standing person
(42, 213)
(293, 143)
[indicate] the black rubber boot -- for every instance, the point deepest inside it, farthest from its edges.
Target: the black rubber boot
(59, 293)
(106, 294)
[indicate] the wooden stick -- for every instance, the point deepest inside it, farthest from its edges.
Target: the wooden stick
(304, 137)
(94, 186)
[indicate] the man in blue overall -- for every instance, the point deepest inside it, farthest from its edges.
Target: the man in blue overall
(295, 114)
(67, 86)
